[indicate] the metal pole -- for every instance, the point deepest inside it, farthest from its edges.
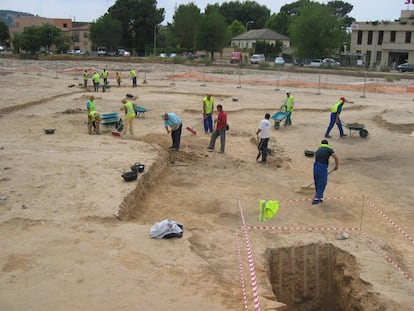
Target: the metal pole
(173, 83)
(145, 74)
(365, 85)
(277, 80)
(155, 39)
(239, 86)
(319, 85)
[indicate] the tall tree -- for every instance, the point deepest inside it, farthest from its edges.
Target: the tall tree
(213, 35)
(139, 19)
(105, 32)
(341, 10)
(279, 23)
(186, 23)
(242, 11)
(4, 32)
(30, 40)
(323, 38)
(236, 28)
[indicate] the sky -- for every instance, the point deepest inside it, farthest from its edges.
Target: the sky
(90, 10)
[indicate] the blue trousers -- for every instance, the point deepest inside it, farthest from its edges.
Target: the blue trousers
(332, 123)
(208, 123)
(320, 177)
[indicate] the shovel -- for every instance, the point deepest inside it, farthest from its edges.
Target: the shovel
(117, 132)
(310, 186)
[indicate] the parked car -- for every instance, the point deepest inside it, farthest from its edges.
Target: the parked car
(163, 55)
(236, 58)
(405, 67)
(173, 55)
(257, 59)
(2, 49)
(316, 62)
(330, 62)
(279, 61)
(80, 52)
(123, 52)
(101, 51)
(298, 62)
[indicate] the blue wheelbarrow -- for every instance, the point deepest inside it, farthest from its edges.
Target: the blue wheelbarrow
(140, 111)
(278, 117)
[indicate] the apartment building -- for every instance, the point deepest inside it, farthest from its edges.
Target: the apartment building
(382, 44)
(77, 31)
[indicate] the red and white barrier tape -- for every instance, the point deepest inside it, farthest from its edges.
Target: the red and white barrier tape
(303, 229)
(392, 222)
(388, 258)
(242, 278)
(250, 261)
(307, 199)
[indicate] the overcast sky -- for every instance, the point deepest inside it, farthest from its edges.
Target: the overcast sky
(90, 10)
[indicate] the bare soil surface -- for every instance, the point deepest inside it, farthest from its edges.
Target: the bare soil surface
(75, 235)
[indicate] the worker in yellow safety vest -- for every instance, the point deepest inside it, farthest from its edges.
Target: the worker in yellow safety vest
(335, 113)
(208, 108)
(288, 106)
(129, 116)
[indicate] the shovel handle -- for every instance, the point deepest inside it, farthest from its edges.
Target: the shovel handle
(330, 171)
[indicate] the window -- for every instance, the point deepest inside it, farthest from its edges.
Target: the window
(380, 37)
(392, 36)
(75, 37)
(65, 25)
(408, 37)
(368, 58)
(359, 39)
(379, 55)
(369, 42)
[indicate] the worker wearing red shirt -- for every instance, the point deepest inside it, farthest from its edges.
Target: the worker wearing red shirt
(220, 130)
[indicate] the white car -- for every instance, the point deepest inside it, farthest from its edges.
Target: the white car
(330, 62)
(279, 61)
(257, 59)
(316, 62)
(163, 55)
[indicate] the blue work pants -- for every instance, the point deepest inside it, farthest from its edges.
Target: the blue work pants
(208, 123)
(332, 123)
(320, 177)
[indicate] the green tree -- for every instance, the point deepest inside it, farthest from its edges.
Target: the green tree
(138, 19)
(322, 39)
(236, 28)
(341, 10)
(105, 32)
(16, 42)
(242, 11)
(4, 32)
(186, 23)
(213, 35)
(279, 23)
(52, 38)
(30, 40)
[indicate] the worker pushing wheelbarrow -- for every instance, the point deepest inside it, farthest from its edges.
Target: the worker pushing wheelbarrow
(285, 112)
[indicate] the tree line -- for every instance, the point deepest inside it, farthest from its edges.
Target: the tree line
(314, 29)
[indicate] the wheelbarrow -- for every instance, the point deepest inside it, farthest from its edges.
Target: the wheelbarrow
(279, 117)
(363, 133)
(140, 111)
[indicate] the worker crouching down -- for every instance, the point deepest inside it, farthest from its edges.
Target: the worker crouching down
(93, 122)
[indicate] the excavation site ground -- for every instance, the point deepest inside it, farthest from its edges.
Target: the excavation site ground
(75, 235)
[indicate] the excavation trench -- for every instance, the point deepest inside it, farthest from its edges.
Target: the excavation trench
(318, 277)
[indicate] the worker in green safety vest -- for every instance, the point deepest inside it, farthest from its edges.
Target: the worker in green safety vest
(288, 106)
